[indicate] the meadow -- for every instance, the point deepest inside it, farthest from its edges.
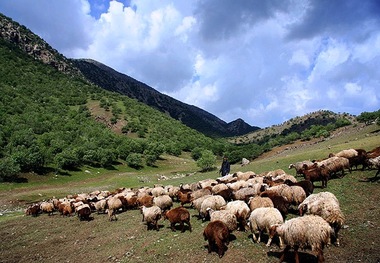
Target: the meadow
(67, 239)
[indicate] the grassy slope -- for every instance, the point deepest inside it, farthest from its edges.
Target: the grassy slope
(25, 238)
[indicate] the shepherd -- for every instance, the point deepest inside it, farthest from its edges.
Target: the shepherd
(225, 168)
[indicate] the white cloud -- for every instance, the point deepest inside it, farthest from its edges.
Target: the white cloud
(262, 61)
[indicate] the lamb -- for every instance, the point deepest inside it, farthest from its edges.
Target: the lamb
(47, 207)
(258, 201)
(163, 201)
(241, 210)
(214, 202)
(302, 232)
(151, 215)
(325, 205)
(84, 212)
(113, 205)
(263, 218)
(217, 235)
(178, 215)
(225, 216)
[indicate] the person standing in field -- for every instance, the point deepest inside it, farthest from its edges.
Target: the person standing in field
(225, 168)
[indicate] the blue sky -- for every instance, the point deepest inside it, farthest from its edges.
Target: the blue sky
(265, 61)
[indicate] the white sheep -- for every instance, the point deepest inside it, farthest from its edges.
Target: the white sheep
(151, 215)
(100, 206)
(258, 201)
(241, 210)
(47, 207)
(225, 216)
(219, 187)
(163, 201)
(348, 153)
(375, 162)
(298, 166)
(325, 205)
(262, 219)
(214, 202)
(113, 205)
(303, 232)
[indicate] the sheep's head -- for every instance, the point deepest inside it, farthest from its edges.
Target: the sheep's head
(291, 166)
(302, 209)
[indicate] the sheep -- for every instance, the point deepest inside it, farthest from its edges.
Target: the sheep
(201, 192)
(214, 202)
(345, 153)
(229, 178)
(263, 218)
(145, 200)
(258, 201)
(299, 166)
(151, 215)
(244, 193)
(157, 191)
(207, 183)
(302, 232)
(335, 164)
(227, 194)
(325, 205)
(279, 202)
(218, 187)
(113, 205)
(225, 216)
(217, 235)
(375, 162)
(307, 186)
(84, 212)
(47, 207)
(163, 201)
(197, 203)
(178, 215)
(33, 210)
(241, 210)
(66, 208)
(184, 196)
(244, 176)
(316, 173)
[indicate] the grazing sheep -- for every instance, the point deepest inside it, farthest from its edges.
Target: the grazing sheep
(263, 218)
(225, 216)
(258, 201)
(184, 196)
(279, 202)
(325, 205)
(163, 201)
(303, 232)
(207, 183)
(375, 162)
(66, 208)
(113, 205)
(316, 173)
(157, 191)
(145, 200)
(335, 164)
(47, 207)
(241, 210)
(219, 187)
(244, 193)
(197, 203)
(100, 206)
(244, 175)
(217, 235)
(227, 194)
(84, 212)
(178, 215)
(151, 215)
(201, 192)
(33, 210)
(345, 153)
(299, 166)
(214, 202)
(307, 186)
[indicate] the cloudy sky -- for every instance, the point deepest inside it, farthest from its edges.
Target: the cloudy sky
(264, 61)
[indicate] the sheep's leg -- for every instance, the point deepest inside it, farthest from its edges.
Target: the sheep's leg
(320, 256)
(297, 260)
(254, 239)
(287, 248)
(172, 226)
(259, 238)
(188, 223)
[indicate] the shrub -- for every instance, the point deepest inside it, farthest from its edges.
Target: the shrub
(207, 161)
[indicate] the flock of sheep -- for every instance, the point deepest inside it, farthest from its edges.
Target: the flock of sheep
(236, 202)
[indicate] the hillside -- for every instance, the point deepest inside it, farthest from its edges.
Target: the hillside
(109, 79)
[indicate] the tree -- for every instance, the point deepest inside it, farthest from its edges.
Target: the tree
(9, 169)
(134, 160)
(207, 161)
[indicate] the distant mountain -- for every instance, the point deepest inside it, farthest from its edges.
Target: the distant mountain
(109, 79)
(190, 115)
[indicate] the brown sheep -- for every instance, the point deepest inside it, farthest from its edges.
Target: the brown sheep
(184, 196)
(305, 184)
(33, 210)
(316, 173)
(217, 235)
(145, 200)
(178, 215)
(84, 212)
(279, 202)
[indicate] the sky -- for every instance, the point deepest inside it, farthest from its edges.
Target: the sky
(264, 61)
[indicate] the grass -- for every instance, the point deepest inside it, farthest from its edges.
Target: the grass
(26, 239)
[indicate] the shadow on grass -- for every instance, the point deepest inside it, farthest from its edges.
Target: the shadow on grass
(290, 256)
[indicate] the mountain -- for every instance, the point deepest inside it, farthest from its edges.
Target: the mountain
(190, 115)
(109, 79)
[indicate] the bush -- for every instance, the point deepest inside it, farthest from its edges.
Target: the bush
(9, 169)
(207, 161)
(134, 160)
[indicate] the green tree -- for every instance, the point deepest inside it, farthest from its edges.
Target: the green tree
(207, 161)
(134, 160)
(9, 169)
